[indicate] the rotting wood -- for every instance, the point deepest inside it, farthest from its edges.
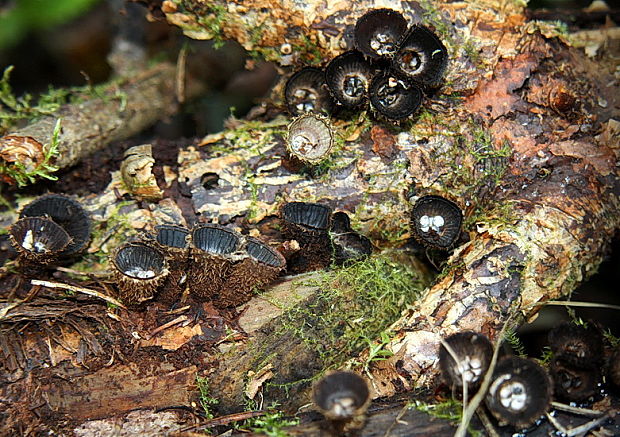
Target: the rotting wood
(125, 109)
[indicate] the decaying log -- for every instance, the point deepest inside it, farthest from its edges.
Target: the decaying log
(524, 135)
(125, 109)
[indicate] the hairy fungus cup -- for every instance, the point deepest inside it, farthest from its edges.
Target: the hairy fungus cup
(577, 345)
(308, 224)
(349, 246)
(172, 241)
(214, 249)
(378, 32)
(310, 138)
(436, 222)
(392, 97)
(473, 353)
(519, 393)
(421, 57)
(65, 212)
(306, 91)
(348, 78)
(342, 397)
(139, 269)
(262, 265)
(572, 384)
(38, 240)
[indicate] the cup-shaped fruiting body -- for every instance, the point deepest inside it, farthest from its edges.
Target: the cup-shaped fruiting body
(172, 241)
(138, 269)
(393, 97)
(310, 138)
(306, 91)
(38, 240)
(214, 250)
(66, 212)
(577, 345)
(307, 217)
(613, 368)
(348, 78)
(571, 384)
(260, 268)
(473, 351)
(421, 57)
(519, 393)
(308, 224)
(436, 222)
(349, 246)
(342, 397)
(378, 32)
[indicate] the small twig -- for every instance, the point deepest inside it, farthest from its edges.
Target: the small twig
(583, 429)
(83, 290)
(180, 74)
(571, 303)
(100, 274)
(225, 420)
(576, 410)
(486, 382)
(167, 325)
(396, 420)
(556, 423)
(179, 310)
(484, 418)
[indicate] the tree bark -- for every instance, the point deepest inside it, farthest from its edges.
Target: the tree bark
(125, 109)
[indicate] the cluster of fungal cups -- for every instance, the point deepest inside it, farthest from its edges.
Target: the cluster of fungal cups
(521, 390)
(52, 228)
(391, 68)
(323, 236)
(212, 262)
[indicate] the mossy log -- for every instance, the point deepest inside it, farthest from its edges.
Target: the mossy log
(523, 136)
(123, 109)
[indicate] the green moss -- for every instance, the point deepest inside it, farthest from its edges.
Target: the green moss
(271, 423)
(110, 232)
(450, 409)
(356, 304)
(206, 401)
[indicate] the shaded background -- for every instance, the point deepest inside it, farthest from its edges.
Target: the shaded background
(64, 43)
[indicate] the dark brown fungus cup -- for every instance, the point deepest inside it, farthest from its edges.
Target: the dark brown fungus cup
(349, 246)
(519, 393)
(308, 224)
(436, 222)
(306, 91)
(393, 97)
(214, 250)
(571, 383)
(378, 32)
(260, 268)
(348, 78)
(66, 212)
(172, 241)
(473, 351)
(138, 269)
(577, 345)
(421, 57)
(342, 397)
(310, 138)
(306, 217)
(38, 240)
